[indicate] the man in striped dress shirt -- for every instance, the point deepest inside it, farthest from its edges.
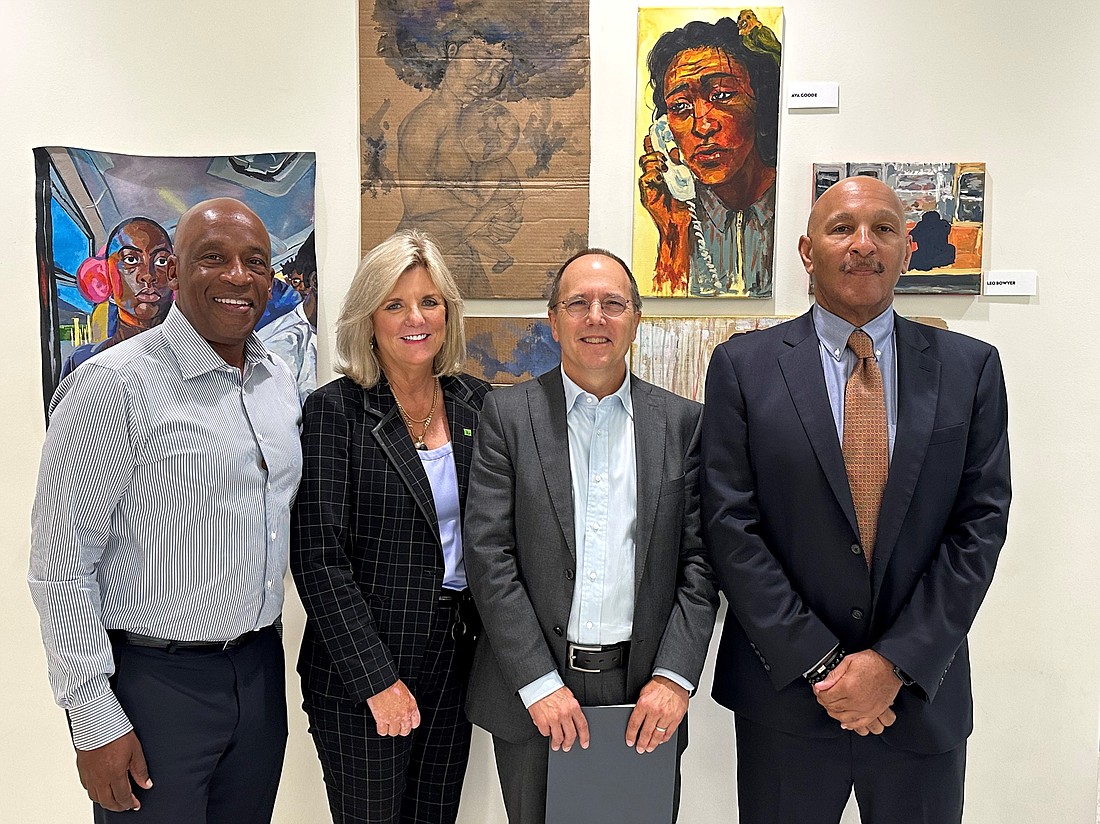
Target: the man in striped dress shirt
(159, 543)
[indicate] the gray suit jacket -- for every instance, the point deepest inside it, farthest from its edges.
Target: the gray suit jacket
(521, 557)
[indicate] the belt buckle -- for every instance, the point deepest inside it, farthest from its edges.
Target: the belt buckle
(572, 648)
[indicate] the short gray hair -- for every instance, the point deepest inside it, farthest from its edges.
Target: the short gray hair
(372, 284)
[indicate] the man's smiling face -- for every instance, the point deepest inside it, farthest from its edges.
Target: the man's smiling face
(222, 275)
(594, 347)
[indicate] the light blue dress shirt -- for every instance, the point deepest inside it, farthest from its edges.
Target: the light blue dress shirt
(603, 468)
(838, 362)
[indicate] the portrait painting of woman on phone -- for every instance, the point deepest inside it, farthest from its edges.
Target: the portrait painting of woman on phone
(708, 123)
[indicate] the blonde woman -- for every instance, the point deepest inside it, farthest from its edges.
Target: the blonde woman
(376, 543)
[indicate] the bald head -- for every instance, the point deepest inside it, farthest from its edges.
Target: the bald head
(218, 210)
(845, 191)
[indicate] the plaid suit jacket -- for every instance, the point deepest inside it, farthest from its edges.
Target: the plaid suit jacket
(365, 547)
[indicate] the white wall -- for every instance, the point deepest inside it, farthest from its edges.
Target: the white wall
(1001, 82)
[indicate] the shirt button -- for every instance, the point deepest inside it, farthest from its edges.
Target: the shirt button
(269, 583)
(588, 625)
(261, 437)
(592, 575)
(589, 399)
(597, 479)
(601, 433)
(595, 527)
(274, 535)
(857, 613)
(857, 549)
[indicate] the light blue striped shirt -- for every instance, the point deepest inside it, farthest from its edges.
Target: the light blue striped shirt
(163, 507)
(603, 467)
(838, 361)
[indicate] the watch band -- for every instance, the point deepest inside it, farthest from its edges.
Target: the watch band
(906, 681)
(818, 673)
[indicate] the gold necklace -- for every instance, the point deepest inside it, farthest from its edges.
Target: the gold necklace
(418, 441)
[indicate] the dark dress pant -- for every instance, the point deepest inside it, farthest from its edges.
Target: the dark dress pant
(413, 779)
(213, 727)
(791, 779)
(522, 767)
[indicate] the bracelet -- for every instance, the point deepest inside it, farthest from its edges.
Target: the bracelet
(818, 673)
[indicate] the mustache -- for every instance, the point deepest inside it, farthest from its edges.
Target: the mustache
(868, 265)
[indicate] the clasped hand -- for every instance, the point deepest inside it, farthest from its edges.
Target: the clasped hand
(859, 693)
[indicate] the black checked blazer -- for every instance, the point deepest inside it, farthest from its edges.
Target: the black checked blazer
(364, 546)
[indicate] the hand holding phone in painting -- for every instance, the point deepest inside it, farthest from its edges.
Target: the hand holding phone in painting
(666, 184)
(677, 176)
(667, 188)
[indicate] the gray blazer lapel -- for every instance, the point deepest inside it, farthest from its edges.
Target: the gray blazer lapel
(546, 402)
(801, 367)
(393, 439)
(918, 393)
(649, 446)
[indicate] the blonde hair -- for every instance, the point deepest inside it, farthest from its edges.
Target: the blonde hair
(373, 283)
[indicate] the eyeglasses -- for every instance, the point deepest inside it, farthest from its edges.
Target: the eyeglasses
(610, 307)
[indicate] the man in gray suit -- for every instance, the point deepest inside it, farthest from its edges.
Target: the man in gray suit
(582, 543)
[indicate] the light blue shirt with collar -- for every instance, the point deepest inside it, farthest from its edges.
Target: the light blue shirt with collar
(603, 469)
(838, 362)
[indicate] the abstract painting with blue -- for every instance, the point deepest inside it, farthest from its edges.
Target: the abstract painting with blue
(104, 235)
(510, 350)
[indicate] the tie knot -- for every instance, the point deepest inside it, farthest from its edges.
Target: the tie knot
(860, 343)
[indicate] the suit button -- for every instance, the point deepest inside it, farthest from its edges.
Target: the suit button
(857, 613)
(558, 631)
(857, 549)
(569, 574)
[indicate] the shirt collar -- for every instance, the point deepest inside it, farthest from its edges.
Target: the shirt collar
(833, 331)
(717, 213)
(572, 392)
(194, 354)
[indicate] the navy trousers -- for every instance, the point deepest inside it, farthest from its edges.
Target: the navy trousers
(213, 727)
(791, 779)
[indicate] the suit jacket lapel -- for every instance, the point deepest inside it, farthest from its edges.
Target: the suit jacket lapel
(801, 367)
(649, 446)
(462, 419)
(395, 443)
(918, 393)
(546, 402)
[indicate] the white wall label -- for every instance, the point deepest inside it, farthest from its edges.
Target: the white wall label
(817, 95)
(1010, 282)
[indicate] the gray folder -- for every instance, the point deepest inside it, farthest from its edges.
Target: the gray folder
(611, 782)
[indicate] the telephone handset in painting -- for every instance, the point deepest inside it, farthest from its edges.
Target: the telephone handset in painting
(678, 178)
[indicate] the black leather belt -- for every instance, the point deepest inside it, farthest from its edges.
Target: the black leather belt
(585, 658)
(454, 596)
(136, 639)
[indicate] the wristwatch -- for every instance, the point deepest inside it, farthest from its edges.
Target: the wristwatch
(906, 681)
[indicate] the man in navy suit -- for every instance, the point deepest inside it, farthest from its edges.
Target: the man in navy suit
(847, 663)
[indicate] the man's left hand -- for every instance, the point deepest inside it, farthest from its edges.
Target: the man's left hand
(660, 709)
(859, 690)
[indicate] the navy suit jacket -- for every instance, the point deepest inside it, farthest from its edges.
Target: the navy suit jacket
(781, 532)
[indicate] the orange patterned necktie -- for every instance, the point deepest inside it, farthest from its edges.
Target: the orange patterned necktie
(866, 455)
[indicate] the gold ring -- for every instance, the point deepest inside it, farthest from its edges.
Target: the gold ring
(661, 729)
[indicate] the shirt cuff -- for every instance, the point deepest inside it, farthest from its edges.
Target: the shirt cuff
(676, 679)
(540, 688)
(99, 722)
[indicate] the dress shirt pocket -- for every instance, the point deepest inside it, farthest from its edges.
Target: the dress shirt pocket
(946, 434)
